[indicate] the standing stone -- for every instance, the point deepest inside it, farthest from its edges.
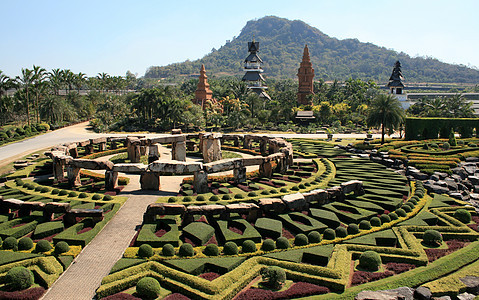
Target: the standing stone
(111, 180)
(150, 181)
(263, 146)
(58, 169)
(239, 174)
(211, 147)
(247, 142)
(200, 182)
(89, 149)
(178, 151)
(102, 146)
(73, 150)
(153, 153)
(266, 169)
(73, 174)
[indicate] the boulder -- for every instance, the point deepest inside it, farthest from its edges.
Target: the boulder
(294, 201)
(466, 296)
(355, 186)
(211, 209)
(272, 205)
(472, 284)
(91, 164)
(241, 208)
(422, 293)
(402, 293)
(318, 195)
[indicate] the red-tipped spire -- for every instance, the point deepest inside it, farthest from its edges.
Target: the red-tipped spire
(203, 91)
(305, 77)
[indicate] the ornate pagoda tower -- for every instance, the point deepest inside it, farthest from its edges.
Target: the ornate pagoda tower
(396, 85)
(203, 91)
(252, 67)
(305, 78)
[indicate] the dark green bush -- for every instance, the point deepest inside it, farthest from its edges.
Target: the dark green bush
(314, 237)
(148, 288)
(107, 197)
(96, 197)
(187, 199)
(172, 199)
(214, 198)
(226, 197)
(230, 248)
(273, 276)
(38, 188)
(252, 194)
(329, 234)
(283, 190)
(365, 225)
(168, 250)
(31, 186)
(432, 237)
(406, 208)
(72, 194)
(268, 245)
(375, 221)
(186, 250)
(353, 228)
(264, 192)
(61, 247)
(211, 250)
(393, 216)
(463, 215)
(341, 232)
(19, 278)
(25, 243)
(45, 189)
(385, 218)
(82, 195)
(282, 243)
(401, 212)
(301, 186)
(145, 251)
(43, 246)
(19, 182)
(370, 260)
(301, 240)
(248, 246)
(295, 188)
(55, 191)
(10, 243)
(200, 198)
(446, 146)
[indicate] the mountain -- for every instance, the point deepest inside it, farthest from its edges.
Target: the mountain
(281, 48)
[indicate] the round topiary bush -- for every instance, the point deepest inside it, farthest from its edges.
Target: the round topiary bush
(252, 194)
(301, 186)
(38, 188)
(72, 194)
(375, 221)
(230, 248)
(145, 251)
(329, 234)
(148, 287)
(401, 212)
(45, 189)
(282, 243)
(82, 195)
(239, 196)
(370, 260)
(200, 198)
(226, 197)
(168, 250)
(406, 208)
(432, 237)
(341, 232)
(96, 197)
(248, 246)
(187, 199)
(55, 191)
(19, 278)
(385, 218)
(10, 243)
(25, 243)
(107, 198)
(273, 277)
(463, 215)
(295, 188)
(172, 199)
(460, 143)
(43, 246)
(186, 250)
(314, 237)
(410, 204)
(61, 247)
(268, 245)
(264, 192)
(301, 240)
(211, 250)
(446, 146)
(393, 216)
(273, 191)
(353, 228)
(214, 198)
(365, 225)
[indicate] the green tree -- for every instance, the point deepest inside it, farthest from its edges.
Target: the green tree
(39, 87)
(26, 81)
(385, 111)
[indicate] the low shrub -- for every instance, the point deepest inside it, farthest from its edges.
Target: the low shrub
(82, 195)
(393, 216)
(186, 250)
(446, 146)
(211, 250)
(314, 237)
(295, 188)
(365, 225)
(385, 218)
(72, 194)
(230, 248)
(61, 247)
(200, 198)
(432, 237)
(25, 243)
(370, 260)
(96, 197)
(301, 186)
(43, 246)
(38, 188)
(401, 212)
(300, 240)
(107, 197)
(248, 246)
(45, 189)
(226, 197)
(148, 287)
(268, 245)
(329, 234)
(406, 208)
(283, 190)
(282, 243)
(375, 221)
(19, 278)
(273, 276)
(264, 192)
(353, 228)
(172, 199)
(10, 243)
(341, 232)
(168, 250)
(55, 191)
(463, 215)
(214, 198)
(239, 196)
(145, 251)
(252, 194)
(187, 199)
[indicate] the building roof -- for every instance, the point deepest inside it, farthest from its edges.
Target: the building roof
(253, 76)
(253, 46)
(253, 57)
(305, 115)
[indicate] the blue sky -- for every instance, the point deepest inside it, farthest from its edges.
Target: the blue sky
(116, 36)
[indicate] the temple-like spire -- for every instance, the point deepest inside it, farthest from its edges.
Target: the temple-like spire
(252, 67)
(203, 91)
(396, 84)
(305, 78)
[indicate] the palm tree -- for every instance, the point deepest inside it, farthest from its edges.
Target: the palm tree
(80, 79)
(5, 83)
(26, 81)
(104, 79)
(385, 111)
(56, 80)
(68, 79)
(39, 75)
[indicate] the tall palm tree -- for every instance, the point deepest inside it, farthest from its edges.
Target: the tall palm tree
(5, 83)
(56, 80)
(26, 81)
(39, 75)
(104, 80)
(80, 79)
(68, 79)
(385, 111)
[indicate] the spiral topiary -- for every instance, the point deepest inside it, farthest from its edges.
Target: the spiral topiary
(314, 237)
(301, 240)
(401, 212)
(341, 232)
(463, 215)
(145, 251)
(186, 250)
(10, 243)
(61, 247)
(43, 246)
(230, 248)
(211, 250)
(432, 237)
(353, 228)
(25, 243)
(19, 278)
(385, 218)
(148, 287)
(329, 234)
(370, 260)
(282, 243)
(365, 225)
(375, 221)
(248, 246)
(168, 250)
(268, 245)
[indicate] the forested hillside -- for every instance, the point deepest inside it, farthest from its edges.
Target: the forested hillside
(281, 47)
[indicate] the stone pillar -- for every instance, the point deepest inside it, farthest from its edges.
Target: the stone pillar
(150, 181)
(153, 153)
(73, 174)
(58, 169)
(200, 182)
(89, 149)
(113, 145)
(211, 147)
(178, 151)
(263, 146)
(236, 141)
(102, 146)
(265, 169)
(282, 165)
(73, 151)
(144, 150)
(247, 142)
(111, 180)
(134, 152)
(239, 174)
